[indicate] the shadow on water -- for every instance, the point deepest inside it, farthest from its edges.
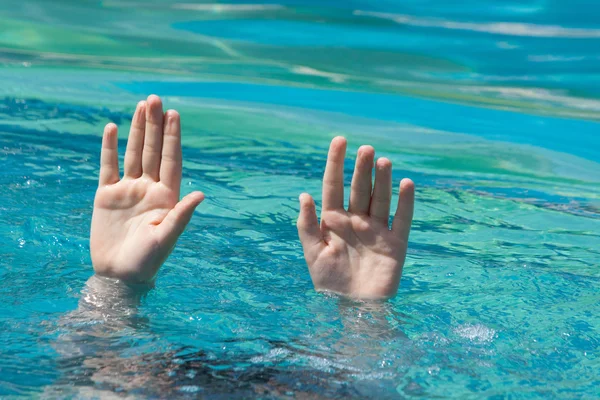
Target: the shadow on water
(183, 374)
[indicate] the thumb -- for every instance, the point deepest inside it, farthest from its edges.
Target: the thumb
(308, 226)
(177, 219)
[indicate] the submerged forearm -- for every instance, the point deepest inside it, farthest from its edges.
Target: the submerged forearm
(107, 307)
(111, 297)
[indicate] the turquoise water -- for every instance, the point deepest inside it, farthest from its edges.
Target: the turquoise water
(491, 107)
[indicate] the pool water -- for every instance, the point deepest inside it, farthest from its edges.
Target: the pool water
(493, 108)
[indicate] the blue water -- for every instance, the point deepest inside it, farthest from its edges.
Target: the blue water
(487, 123)
(490, 107)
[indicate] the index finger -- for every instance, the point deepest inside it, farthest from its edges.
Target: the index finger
(333, 181)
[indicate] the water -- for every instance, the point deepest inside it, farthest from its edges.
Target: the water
(491, 107)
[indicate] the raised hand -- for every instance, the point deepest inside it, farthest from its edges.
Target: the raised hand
(354, 252)
(138, 219)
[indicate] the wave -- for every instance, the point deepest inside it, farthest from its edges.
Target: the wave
(499, 28)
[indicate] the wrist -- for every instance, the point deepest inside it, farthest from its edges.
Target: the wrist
(132, 275)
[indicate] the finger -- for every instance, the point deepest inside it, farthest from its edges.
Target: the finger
(135, 143)
(170, 165)
(308, 228)
(154, 138)
(360, 195)
(177, 219)
(109, 157)
(404, 213)
(382, 193)
(333, 181)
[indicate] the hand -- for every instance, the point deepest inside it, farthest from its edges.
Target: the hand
(138, 219)
(354, 252)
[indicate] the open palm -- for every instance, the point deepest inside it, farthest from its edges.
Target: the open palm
(354, 252)
(138, 219)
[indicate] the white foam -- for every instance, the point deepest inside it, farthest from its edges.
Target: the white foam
(302, 70)
(501, 28)
(476, 333)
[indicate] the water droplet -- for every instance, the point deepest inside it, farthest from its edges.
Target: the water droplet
(433, 370)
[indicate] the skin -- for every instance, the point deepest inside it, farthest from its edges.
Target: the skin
(138, 219)
(354, 252)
